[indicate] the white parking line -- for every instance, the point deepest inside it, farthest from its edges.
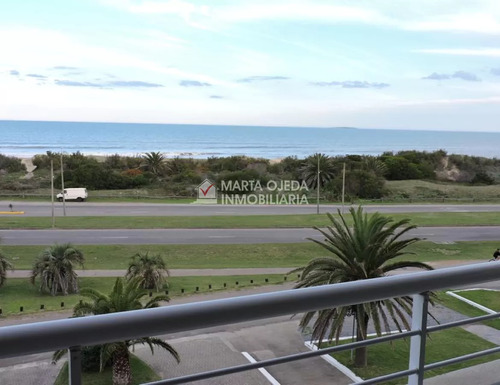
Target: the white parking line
(264, 372)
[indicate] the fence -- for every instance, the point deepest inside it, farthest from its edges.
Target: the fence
(76, 332)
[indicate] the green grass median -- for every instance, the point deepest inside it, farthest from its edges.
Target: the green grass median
(215, 256)
(239, 221)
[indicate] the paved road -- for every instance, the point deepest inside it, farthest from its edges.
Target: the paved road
(220, 236)
(37, 209)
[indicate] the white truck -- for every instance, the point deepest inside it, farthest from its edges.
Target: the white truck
(79, 194)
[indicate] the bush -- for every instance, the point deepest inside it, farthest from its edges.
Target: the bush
(482, 178)
(358, 183)
(11, 164)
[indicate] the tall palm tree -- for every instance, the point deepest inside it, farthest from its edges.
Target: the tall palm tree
(309, 170)
(123, 297)
(55, 267)
(4, 266)
(366, 250)
(154, 162)
(152, 270)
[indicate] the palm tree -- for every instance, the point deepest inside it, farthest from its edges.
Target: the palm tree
(309, 170)
(365, 251)
(151, 269)
(154, 162)
(55, 266)
(123, 297)
(4, 266)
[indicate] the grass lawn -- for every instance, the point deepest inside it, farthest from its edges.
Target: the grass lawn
(19, 292)
(490, 299)
(141, 373)
(241, 221)
(239, 255)
(393, 357)
(471, 311)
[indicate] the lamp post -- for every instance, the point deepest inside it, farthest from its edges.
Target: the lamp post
(317, 189)
(52, 191)
(343, 188)
(62, 186)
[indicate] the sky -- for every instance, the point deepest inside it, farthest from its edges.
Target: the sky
(406, 64)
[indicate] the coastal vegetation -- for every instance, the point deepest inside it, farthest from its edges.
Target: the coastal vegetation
(366, 177)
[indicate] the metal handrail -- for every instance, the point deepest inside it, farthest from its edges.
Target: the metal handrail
(74, 332)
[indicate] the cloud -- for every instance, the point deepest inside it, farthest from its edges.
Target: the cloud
(193, 83)
(38, 76)
(468, 76)
(216, 97)
(64, 68)
(252, 79)
(110, 84)
(132, 83)
(352, 84)
(71, 83)
(479, 16)
(14, 72)
(436, 76)
(495, 71)
(492, 52)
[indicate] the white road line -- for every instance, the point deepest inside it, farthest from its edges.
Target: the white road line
(114, 237)
(472, 303)
(264, 372)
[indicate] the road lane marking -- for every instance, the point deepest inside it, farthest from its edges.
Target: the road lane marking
(264, 372)
(115, 237)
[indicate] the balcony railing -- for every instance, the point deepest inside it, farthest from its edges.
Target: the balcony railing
(73, 333)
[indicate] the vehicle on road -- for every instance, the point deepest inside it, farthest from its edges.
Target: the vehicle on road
(78, 194)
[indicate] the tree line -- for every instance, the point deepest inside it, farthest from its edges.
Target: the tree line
(365, 175)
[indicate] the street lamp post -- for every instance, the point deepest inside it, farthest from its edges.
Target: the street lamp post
(52, 191)
(317, 189)
(62, 186)
(343, 188)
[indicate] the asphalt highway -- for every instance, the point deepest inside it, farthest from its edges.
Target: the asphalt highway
(40, 209)
(221, 236)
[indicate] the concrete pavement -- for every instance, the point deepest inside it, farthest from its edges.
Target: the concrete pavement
(89, 208)
(221, 236)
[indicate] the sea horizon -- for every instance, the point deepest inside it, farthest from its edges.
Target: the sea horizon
(26, 138)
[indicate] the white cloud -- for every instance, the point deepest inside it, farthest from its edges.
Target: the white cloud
(494, 52)
(480, 16)
(23, 47)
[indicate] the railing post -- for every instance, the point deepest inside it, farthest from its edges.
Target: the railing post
(417, 343)
(75, 365)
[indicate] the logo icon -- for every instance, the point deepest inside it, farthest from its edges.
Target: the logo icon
(207, 192)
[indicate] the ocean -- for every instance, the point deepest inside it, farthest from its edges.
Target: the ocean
(27, 138)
